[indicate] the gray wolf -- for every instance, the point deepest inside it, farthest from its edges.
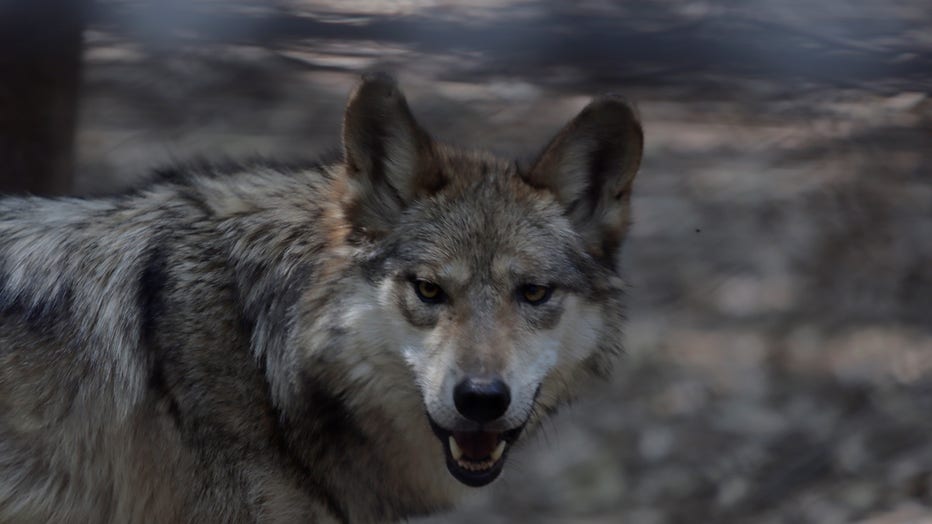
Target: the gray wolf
(361, 341)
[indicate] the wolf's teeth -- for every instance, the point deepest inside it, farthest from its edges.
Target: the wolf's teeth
(455, 449)
(497, 454)
(475, 466)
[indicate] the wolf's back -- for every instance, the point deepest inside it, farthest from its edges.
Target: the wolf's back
(70, 272)
(99, 300)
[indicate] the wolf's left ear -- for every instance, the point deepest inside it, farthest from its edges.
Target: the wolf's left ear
(389, 158)
(590, 167)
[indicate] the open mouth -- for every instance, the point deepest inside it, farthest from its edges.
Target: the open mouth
(475, 458)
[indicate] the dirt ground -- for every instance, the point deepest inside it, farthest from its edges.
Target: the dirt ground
(779, 341)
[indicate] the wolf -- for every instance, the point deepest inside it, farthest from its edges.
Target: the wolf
(358, 341)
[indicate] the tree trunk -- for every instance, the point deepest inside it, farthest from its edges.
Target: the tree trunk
(40, 69)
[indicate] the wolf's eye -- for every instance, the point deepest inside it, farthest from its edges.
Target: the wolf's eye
(534, 294)
(428, 291)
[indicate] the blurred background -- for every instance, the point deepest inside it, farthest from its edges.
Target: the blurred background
(779, 342)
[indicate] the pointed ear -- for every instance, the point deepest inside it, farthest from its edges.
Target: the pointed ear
(590, 166)
(389, 159)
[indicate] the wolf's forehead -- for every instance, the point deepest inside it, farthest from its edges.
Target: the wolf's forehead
(482, 224)
(490, 251)
(491, 225)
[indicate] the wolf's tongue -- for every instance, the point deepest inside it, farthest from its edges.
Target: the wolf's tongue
(476, 445)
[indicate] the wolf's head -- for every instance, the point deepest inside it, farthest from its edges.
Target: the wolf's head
(497, 285)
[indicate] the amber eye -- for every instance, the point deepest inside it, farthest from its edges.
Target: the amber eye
(534, 294)
(428, 291)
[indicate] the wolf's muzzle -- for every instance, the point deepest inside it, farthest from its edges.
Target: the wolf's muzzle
(476, 447)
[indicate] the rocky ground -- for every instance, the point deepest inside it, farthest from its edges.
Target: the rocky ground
(779, 348)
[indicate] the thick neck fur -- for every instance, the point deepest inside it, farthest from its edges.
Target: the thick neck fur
(328, 379)
(344, 412)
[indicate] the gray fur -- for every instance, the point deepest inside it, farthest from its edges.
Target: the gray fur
(235, 347)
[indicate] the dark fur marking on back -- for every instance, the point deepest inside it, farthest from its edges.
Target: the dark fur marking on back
(40, 313)
(151, 302)
(152, 282)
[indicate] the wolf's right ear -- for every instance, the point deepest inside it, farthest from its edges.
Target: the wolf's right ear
(589, 167)
(390, 159)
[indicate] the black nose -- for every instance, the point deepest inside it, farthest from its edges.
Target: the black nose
(481, 399)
